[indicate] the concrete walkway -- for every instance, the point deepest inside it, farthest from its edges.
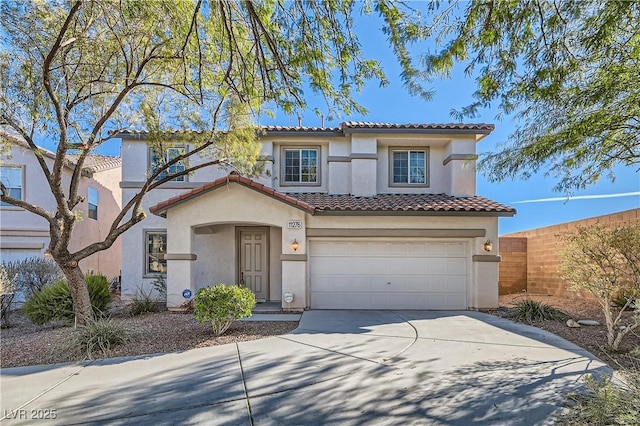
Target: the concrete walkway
(338, 367)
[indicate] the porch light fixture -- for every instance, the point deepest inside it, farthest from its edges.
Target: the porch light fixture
(488, 246)
(47, 254)
(295, 245)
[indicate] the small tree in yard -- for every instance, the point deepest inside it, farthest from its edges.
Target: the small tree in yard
(223, 304)
(606, 262)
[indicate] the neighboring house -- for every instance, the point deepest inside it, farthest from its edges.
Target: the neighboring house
(363, 216)
(24, 234)
(531, 259)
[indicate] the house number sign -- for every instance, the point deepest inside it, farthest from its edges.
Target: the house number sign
(294, 224)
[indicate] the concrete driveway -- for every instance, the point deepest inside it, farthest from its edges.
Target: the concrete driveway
(338, 367)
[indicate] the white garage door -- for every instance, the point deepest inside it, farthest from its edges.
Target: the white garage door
(388, 275)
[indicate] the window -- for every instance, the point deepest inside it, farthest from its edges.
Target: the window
(169, 154)
(93, 203)
(300, 166)
(11, 177)
(156, 248)
(409, 167)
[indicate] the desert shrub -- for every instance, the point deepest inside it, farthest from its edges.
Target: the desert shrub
(607, 402)
(223, 304)
(532, 311)
(33, 274)
(187, 307)
(144, 302)
(99, 336)
(54, 302)
(160, 285)
(626, 298)
(7, 293)
(606, 262)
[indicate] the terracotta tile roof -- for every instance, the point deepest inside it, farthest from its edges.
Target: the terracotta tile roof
(351, 126)
(417, 126)
(402, 203)
(98, 163)
(161, 208)
(318, 203)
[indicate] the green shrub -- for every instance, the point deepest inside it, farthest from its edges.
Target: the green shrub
(223, 304)
(99, 293)
(528, 310)
(606, 402)
(54, 302)
(99, 336)
(143, 303)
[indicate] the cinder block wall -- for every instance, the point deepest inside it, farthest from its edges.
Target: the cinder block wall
(513, 266)
(543, 253)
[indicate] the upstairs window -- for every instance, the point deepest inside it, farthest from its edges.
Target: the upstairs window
(92, 194)
(158, 160)
(300, 166)
(11, 178)
(409, 167)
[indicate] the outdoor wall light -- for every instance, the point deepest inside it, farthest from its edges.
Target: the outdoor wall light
(47, 254)
(488, 246)
(295, 245)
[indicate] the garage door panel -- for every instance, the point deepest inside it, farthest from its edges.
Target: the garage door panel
(399, 301)
(388, 275)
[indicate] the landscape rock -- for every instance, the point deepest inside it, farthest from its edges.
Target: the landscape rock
(588, 322)
(571, 323)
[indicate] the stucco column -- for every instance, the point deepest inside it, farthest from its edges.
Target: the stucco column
(180, 283)
(294, 270)
(486, 268)
(180, 262)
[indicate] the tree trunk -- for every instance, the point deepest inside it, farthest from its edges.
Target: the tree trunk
(79, 293)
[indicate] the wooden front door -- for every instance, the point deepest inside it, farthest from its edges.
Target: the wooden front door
(253, 260)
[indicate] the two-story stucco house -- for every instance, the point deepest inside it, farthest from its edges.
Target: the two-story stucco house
(363, 216)
(24, 234)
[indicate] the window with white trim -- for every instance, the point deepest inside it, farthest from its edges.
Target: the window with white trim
(409, 167)
(92, 198)
(11, 178)
(156, 248)
(300, 166)
(159, 160)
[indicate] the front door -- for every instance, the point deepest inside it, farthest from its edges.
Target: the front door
(253, 256)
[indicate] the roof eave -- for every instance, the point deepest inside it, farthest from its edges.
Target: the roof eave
(413, 213)
(293, 133)
(478, 133)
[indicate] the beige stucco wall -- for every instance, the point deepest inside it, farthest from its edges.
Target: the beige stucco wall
(88, 231)
(21, 229)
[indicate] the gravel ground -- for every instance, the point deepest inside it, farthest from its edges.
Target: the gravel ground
(28, 344)
(591, 338)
